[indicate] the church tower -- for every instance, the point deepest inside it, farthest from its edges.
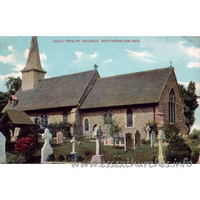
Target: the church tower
(33, 71)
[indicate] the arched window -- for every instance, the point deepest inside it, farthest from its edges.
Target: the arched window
(65, 117)
(107, 116)
(86, 125)
(172, 107)
(129, 117)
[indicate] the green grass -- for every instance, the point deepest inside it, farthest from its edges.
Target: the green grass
(86, 149)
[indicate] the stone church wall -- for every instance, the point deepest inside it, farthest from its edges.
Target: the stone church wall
(96, 116)
(164, 109)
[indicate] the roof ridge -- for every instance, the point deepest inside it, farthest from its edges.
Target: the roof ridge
(120, 75)
(67, 75)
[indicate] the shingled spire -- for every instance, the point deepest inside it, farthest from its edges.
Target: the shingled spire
(33, 71)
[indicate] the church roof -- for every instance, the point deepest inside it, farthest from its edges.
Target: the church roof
(33, 61)
(62, 91)
(17, 117)
(128, 89)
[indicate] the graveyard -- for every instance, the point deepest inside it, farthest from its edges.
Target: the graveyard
(84, 149)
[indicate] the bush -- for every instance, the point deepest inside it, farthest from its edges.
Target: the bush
(153, 126)
(14, 158)
(195, 156)
(27, 130)
(27, 147)
(87, 152)
(61, 158)
(177, 150)
(194, 136)
(51, 158)
(63, 127)
(145, 141)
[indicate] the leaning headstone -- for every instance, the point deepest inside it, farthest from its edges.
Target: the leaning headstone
(137, 140)
(153, 138)
(160, 147)
(2, 148)
(59, 136)
(148, 132)
(46, 149)
(16, 133)
(98, 158)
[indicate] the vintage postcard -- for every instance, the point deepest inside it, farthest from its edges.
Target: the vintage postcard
(99, 100)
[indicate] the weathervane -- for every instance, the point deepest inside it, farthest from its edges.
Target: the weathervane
(95, 66)
(171, 63)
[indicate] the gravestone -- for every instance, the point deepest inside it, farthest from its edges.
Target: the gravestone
(160, 147)
(2, 148)
(137, 140)
(148, 132)
(129, 141)
(73, 141)
(16, 133)
(59, 136)
(46, 149)
(153, 138)
(94, 132)
(98, 158)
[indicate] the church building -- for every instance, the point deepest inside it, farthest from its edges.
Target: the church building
(86, 100)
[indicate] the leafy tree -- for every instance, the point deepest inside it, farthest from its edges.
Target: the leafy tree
(177, 150)
(13, 84)
(190, 99)
(4, 96)
(195, 135)
(114, 128)
(153, 125)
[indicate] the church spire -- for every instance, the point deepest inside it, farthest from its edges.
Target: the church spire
(33, 62)
(32, 72)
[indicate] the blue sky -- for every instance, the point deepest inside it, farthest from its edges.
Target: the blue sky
(59, 56)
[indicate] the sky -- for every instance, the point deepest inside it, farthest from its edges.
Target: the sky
(113, 55)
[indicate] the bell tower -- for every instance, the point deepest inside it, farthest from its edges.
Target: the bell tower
(33, 71)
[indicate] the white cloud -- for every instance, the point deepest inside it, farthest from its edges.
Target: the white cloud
(94, 55)
(193, 64)
(109, 60)
(140, 55)
(26, 52)
(43, 56)
(10, 48)
(15, 75)
(7, 59)
(193, 52)
(18, 67)
(81, 56)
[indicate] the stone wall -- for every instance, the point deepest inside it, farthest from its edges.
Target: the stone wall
(96, 116)
(55, 116)
(162, 110)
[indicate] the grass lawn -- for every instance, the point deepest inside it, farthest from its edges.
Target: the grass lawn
(87, 148)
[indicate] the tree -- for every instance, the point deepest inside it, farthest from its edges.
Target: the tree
(190, 99)
(177, 150)
(13, 84)
(114, 128)
(4, 96)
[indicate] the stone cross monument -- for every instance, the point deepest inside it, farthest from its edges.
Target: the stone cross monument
(148, 132)
(98, 141)
(2, 148)
(160, 147)
(73, 141)
(46, 149)
(98, 158)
